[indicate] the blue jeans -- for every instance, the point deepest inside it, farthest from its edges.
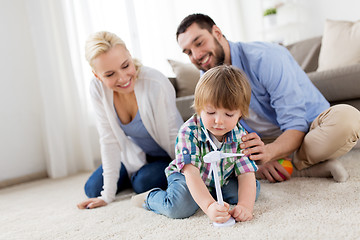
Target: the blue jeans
(177, 202)
(148, 177)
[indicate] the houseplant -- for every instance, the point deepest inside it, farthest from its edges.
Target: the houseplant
(270, 11)
(270, 17)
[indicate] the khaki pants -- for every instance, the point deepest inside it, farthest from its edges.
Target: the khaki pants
(332, 134)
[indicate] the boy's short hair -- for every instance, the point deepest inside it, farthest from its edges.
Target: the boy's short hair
(223, 87)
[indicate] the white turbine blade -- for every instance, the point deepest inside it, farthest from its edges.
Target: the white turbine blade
(217, 184)
(213, 156)
(208, 137)
(226, 155)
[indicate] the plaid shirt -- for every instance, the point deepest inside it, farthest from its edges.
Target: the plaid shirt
(191, 146)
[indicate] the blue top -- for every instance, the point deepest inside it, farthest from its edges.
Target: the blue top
(280, 90)
(141, 137)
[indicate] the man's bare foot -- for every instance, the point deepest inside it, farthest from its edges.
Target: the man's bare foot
(330, 168)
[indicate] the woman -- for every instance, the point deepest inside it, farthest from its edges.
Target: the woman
(137, 121)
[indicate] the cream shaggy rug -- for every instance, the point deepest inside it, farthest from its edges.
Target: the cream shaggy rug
(302, 208)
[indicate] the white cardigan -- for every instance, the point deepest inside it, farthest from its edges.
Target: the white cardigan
(157, 106)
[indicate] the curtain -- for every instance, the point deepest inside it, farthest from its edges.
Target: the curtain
(59, 30)
(65, 113)
(148, 27)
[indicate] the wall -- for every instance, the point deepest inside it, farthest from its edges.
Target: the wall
(320, 10)
(332, 9)
(21, 147)
(297, 19)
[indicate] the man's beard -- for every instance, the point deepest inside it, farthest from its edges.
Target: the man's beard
(219, 56)
(219, 53)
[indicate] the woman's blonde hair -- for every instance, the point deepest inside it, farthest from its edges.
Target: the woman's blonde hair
(101, 42)
(223, 87)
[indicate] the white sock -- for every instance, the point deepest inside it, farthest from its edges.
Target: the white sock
(139, 199)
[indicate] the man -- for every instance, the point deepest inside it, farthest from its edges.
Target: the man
(284, 105)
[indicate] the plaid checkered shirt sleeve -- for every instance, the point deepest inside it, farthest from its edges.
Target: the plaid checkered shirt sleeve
(191, 145)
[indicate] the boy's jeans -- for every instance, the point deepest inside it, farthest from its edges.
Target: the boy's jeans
(177, 202)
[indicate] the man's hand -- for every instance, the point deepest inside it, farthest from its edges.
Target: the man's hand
(254, 147)
(241, 213)
(270, 170)
(218, 213)
(91, 203)
(281, 147)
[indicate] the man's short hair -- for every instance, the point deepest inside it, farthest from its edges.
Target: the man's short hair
(204, 22)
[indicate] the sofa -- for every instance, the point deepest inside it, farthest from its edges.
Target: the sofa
(338, 85)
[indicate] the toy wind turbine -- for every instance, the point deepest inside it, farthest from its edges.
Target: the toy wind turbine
(212, 158)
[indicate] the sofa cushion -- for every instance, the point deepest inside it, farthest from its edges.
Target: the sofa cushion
(306, 53)
(187, 75)
(340, 45)
(338, 84)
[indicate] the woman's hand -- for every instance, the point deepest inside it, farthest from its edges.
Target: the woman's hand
(218, 213)
(91, 203)
(255, 148)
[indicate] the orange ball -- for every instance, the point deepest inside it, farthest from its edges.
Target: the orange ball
(287, 165)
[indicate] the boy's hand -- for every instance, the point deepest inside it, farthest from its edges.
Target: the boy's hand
(241, 213)
(218, 213)
(91, 203)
